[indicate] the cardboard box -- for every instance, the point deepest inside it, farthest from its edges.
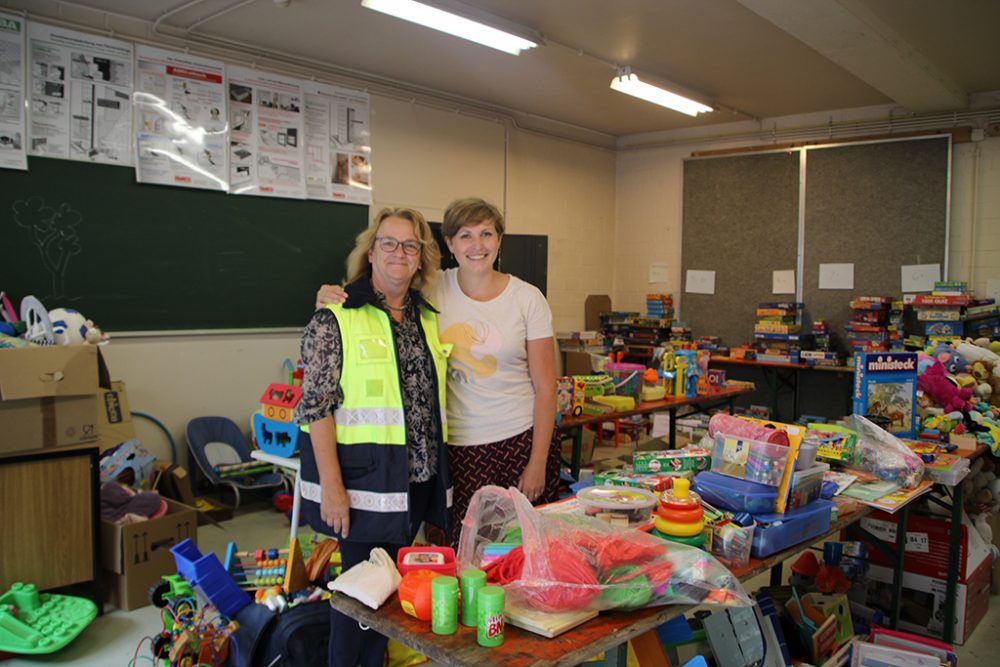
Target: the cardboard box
(173, 481)
(922, 607)
(926, 544)
(114, 418)
(47, 397)
(136, 555)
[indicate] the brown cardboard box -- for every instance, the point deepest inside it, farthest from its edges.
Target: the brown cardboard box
(114, 419)
(173, 481)
(594, 305)
(47, 397)
(136, 555)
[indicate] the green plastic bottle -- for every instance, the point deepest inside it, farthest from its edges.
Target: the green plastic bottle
(489, 610)
(444, 605)
(472, 582)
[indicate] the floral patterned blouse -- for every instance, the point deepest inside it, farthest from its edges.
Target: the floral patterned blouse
(322, 356)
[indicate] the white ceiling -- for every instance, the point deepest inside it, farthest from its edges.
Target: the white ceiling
(752, 58)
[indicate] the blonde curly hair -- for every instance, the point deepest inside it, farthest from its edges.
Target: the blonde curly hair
(358, 265)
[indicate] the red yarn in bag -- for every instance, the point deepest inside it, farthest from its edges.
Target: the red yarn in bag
(568, 566)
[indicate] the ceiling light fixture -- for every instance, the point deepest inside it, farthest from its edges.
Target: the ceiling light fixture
(630, 84)
(439, 19)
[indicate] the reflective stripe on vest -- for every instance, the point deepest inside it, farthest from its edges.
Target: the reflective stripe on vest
(368, 501)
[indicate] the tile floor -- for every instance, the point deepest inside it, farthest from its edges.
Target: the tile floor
(111, 640)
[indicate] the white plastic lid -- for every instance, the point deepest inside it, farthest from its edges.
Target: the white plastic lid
(617, 497)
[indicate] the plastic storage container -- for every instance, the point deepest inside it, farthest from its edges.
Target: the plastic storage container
(735, 495)
(435, 559)
(806, 486)
(806, 457)
(618, 503)
(776, 532)
(627, 377)
(731, 544)
(753, 460)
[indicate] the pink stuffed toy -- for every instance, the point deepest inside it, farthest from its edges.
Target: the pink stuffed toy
(934, 382)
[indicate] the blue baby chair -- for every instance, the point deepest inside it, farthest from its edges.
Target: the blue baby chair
(215, 441)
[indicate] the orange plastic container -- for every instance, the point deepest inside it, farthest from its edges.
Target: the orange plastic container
(415, 593)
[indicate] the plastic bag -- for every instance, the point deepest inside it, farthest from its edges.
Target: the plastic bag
(575, 562)
(371, 581)
(880, 453)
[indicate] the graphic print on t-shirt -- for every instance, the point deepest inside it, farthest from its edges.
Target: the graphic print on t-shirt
(475, 344)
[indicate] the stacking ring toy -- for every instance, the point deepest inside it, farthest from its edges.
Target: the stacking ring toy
(673, 528)
(693, 541)
(689, 514)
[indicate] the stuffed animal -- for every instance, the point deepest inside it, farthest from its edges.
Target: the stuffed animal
(934, 382)
(954, 362)
(72, 328)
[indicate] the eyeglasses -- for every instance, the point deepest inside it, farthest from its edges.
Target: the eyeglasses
(389, 244)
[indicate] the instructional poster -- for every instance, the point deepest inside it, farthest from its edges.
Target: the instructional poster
(13, 154)
(338, 149)
(180, 120)
(266, 138)
(79, 96)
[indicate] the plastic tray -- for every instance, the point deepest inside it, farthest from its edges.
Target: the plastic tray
(776, 532)
(634, 504)
(735, 495)
(753, 460)
(806, 486)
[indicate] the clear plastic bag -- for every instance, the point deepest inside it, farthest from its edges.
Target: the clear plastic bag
(880, 453)
(575, 562)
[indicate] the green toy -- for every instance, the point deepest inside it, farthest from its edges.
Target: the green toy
(36, 623)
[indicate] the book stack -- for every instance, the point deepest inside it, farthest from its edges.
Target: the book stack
(825, 352)
(710, 343)
(660, 306)
(680, 333)
(940, 312)
(648, 331)
(616, 326)
(777, 333)
(982, 319)
(868, 330)
(896, 330)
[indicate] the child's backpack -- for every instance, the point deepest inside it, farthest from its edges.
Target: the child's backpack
(296, 637)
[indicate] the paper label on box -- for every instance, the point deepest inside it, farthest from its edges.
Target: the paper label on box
(918, 542)
(884, 530)
(734, 451)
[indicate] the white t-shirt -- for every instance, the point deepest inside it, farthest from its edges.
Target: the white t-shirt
(490, 395)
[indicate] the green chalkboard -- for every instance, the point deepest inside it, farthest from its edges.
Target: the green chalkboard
(136, 257)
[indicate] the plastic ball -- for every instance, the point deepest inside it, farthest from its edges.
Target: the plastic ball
(68, 325)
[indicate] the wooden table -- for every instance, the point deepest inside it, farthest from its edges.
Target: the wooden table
(610, 632)
(672, 404)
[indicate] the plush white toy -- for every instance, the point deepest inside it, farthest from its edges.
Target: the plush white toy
(68, 325)
(71, 328)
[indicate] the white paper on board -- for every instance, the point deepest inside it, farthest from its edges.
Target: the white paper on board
(836, 276)
(993, 289)
(919, 277)
(700, 282)
(658, 272)
(783, 282)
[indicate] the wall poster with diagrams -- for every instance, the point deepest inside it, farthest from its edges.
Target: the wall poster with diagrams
(13, 154)
(266, 135)
(180, 120)
(79, 96)
(338, 149)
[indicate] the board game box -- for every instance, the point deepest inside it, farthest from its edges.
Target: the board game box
(885, 385)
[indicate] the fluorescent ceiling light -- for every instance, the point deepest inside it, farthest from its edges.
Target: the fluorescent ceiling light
(628, 83)
(438, 19)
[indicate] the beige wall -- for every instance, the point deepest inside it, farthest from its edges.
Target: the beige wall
(648, 219)
(424, 158)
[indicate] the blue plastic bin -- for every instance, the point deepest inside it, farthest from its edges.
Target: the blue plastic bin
(776, 532)
(207, 573)
(735, 495)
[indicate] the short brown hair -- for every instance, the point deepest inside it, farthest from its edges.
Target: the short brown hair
(358, 265)
(470, 211)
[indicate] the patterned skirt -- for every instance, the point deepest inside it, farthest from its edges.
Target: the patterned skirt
(500, 464)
